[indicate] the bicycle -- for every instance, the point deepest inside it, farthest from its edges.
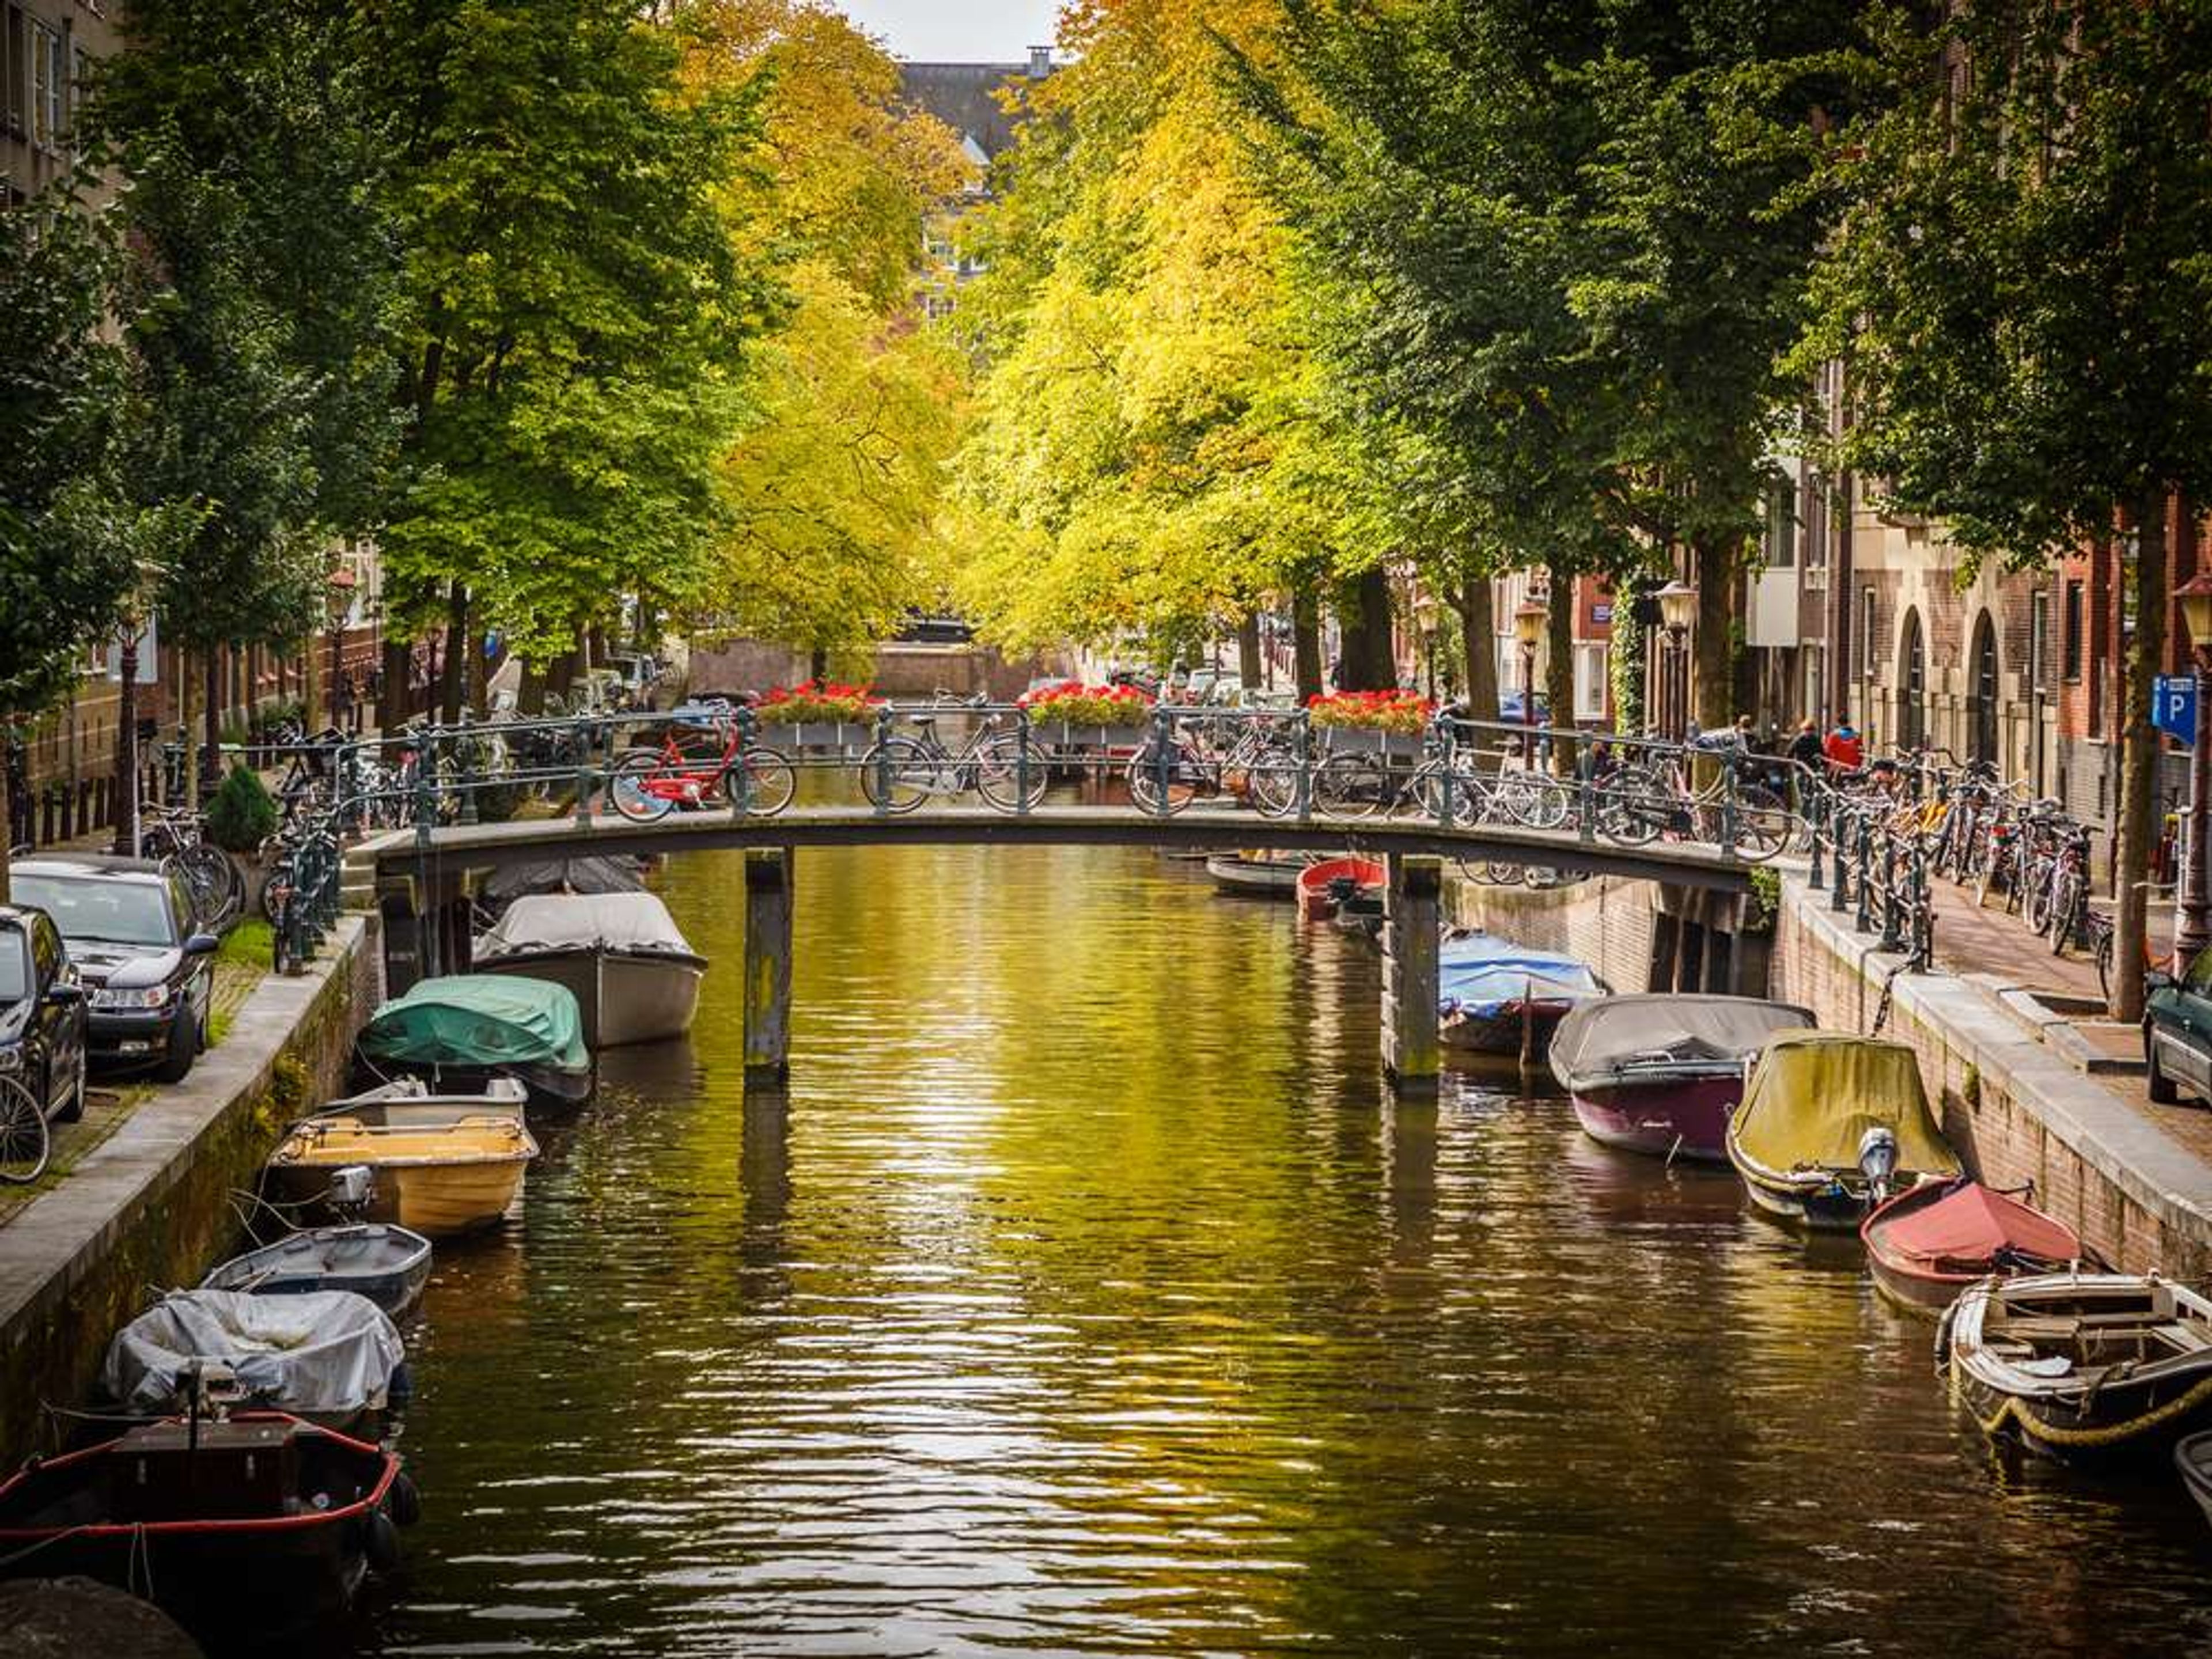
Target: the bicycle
(1005, 768)
(2098, 931)
(172, 836)
(1349, 785)
(646, 785)
(1260, 764)
(1636, 804)
(26, 1143)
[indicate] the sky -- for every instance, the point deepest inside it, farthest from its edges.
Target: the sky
(956, 31)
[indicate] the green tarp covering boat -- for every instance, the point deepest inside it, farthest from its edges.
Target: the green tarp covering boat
(465, 1025)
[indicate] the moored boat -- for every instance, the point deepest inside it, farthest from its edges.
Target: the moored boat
(1930, 1241)
(460, 1030)
(2082, 1366)
(1662, 1073)
(435, 1180)
(253, 1529)
(1831, 1125)
(326, 1357)
(1322, 886)
(407, 1103)
(387, 1264)
(1249, 875)
(1498, 998)
(2193, 1458)
(635, 976)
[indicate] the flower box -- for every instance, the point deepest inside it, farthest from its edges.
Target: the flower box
(817, 736)
(1368, 741)
(1088, 739)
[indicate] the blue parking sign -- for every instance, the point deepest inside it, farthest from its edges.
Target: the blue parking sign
(2173, 707)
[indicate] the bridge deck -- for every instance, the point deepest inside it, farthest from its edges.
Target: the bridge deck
(484, 845)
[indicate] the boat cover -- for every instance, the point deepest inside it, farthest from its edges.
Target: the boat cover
(578, 921)
(1972, 1224)
(479, 1019)
(593, 875)
(1600, 1041)
(1481, 971)
(327, 1352)
(1814, 1094)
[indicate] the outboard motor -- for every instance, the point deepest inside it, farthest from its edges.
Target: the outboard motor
(352, 1190)
(1878, 1159)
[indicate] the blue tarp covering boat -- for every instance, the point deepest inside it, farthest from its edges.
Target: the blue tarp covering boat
(1502, 998)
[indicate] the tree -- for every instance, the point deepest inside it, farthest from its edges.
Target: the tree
(2021, 291)
(577, 312)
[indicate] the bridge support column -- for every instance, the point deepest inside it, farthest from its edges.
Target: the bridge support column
(1412, 1055)
(768, 961)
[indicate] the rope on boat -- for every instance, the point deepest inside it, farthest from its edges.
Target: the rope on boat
(1888, 992)
(2015, 1412)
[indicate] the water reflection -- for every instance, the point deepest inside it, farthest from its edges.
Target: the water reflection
(1086, 1293)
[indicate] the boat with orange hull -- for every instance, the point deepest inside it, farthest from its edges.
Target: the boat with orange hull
(1319, 892)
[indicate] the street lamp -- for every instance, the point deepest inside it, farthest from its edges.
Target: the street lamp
(2192, 924)
(1527, 627)
(1678, 608)
(338, 601)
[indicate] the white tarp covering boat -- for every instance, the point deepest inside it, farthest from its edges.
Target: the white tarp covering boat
(326, 1355)
(634, 976)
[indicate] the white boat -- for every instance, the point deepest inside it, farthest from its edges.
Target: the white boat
(407, 1103)
(635, 976)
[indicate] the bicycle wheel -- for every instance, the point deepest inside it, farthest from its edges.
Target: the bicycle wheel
(1000, 778)
(1536, 801)
(2065, 912)
(628, 790)
(2105, 962)
(1350, 786)
(1161, 791)
(898, 774)
(1631, 808)
(767, 780)
(1763, 823)
(24, 1143)
(212, 877)
(1271, 781)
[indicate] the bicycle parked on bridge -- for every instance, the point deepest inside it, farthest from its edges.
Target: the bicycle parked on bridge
(898, 774)
(1258, 764)
(647, 785)
(1639, 803)
(1351, 785)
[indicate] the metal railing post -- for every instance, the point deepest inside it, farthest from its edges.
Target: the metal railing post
(1728, 805)
(1302, 743)
(1163, 734)
(1892, 936)
(1022, 761)
(741, 775)
(464, 767)
(883, 751)
(585, 776)
(1865, 921)
(1816, 808)
(1447, 815)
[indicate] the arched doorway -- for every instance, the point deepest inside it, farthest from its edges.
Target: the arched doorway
(1984, 738)
(1912, 686)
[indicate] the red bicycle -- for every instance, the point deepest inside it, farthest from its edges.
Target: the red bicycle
(648, 784)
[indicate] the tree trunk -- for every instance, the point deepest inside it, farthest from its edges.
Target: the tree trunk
(1306, 644)
(561, 677)
(399, 667)
(1559, 667)
(479, 672)
(1477, 638)
(209, 763)
(2139, 757)
(7, 810)
(1248, 651)
(818, 664)
(456, 654)
(1713, 646)
(1368, 662)
(126, 746)
(530, 695)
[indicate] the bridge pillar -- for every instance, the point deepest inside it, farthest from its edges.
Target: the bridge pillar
(768, 961)
(1412, 1055)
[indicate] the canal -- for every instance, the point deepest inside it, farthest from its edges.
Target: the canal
(1085, 1293)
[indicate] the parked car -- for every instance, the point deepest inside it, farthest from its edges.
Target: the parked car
(42, 1015)
(2177, 1033)
(147, 977)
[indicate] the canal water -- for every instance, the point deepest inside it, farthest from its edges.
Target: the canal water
(1085, 1293)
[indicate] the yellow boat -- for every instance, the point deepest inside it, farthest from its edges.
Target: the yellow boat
(437, 1179)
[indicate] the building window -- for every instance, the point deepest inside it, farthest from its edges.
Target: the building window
(14, 61)
(1866, 633)
(1816, 688)
(2071, 640)
(49, 87)
(1781, 528)
(2038, 642)
(1816, 522)
(1589, 680)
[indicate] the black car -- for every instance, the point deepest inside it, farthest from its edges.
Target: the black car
(42, 1018)
(147, 974)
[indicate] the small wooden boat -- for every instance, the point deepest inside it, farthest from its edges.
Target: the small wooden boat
(252, 1529)
(386, 1264)
(438, 1180)
(2193, 1458)
(460, 1030)
(1498, 998)
(635, 976)
(407, 1103)
(329, 1358)
(1247, 875)
(2082, 1366)
(1831, 1125)
(1930, 1241)
(1323, 886)
(1663, 1073)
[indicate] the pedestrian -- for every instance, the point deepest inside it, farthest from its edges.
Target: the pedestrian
(1844, 751)
(1805, 748)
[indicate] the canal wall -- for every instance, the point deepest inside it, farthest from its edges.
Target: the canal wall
(1608, 922)
(151, 1206)
(2016, 1110)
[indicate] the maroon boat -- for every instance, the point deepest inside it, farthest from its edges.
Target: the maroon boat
(1930, 1241)
(248, 1528)
(1662, 1073)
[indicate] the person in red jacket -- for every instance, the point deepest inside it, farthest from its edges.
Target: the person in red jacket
(1845, 749)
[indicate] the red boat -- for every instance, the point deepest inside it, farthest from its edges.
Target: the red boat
(1318, 893)
(1930, 1241)
(252, 1528)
